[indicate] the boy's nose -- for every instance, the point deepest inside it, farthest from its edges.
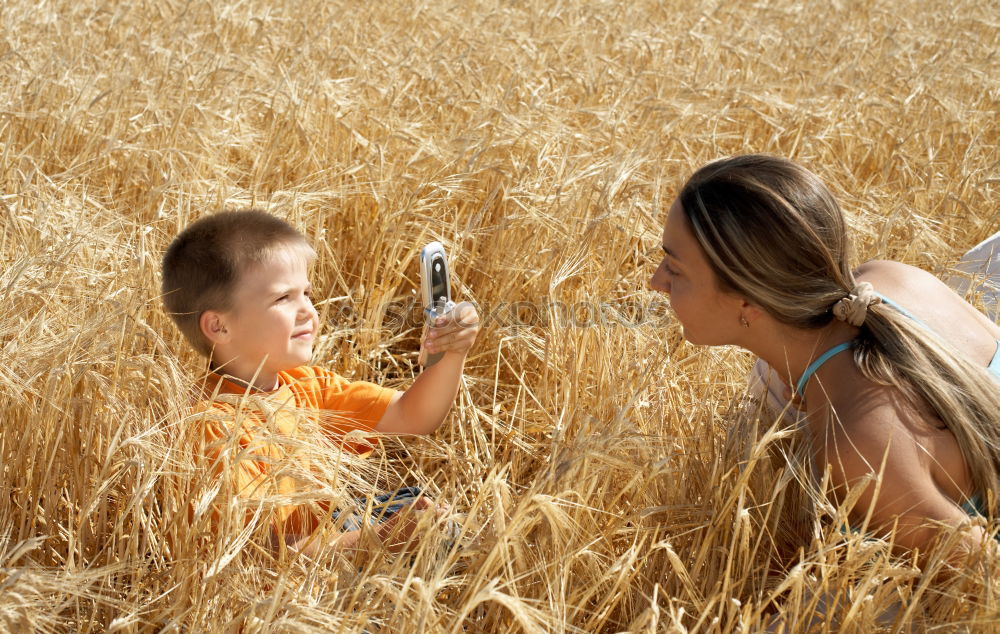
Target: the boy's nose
(307, 310)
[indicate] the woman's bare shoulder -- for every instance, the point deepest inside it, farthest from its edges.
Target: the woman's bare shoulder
(934, 303)
(892, 274)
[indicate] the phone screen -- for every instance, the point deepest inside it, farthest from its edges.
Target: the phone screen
(439, 282)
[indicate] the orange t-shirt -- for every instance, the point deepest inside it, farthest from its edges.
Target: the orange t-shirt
(253, 436)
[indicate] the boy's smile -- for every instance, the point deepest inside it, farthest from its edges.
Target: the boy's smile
(272, 322)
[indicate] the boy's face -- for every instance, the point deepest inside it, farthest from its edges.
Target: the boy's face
(272, 320)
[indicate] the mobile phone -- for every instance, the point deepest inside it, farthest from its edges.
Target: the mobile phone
(435, 289)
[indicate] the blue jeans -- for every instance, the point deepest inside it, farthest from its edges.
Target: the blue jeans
(383, 507)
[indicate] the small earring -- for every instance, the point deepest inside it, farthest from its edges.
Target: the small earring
(744, 322)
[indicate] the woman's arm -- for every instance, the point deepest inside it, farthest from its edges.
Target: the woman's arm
(886, 458)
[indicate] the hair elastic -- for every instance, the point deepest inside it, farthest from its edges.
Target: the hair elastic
(854, 308)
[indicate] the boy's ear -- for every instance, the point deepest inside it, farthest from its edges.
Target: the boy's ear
(213, 327)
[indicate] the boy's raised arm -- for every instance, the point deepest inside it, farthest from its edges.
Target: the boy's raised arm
(422, 408)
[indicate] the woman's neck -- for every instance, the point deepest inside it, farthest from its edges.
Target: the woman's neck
(789, 350)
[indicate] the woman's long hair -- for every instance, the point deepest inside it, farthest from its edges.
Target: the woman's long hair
(774, 234)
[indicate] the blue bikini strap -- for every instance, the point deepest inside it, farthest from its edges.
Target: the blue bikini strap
(800, 387)
(815, 365)
(898, 308)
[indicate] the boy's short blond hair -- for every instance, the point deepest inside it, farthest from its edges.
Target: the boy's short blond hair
(203, 265)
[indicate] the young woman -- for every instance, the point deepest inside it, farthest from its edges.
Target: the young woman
(897, 376)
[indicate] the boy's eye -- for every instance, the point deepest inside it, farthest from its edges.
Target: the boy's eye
(282, 298)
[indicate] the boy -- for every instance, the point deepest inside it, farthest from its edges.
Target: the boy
(237, 286)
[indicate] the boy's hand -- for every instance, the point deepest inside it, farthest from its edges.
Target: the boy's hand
(423, 406)
(453, 332)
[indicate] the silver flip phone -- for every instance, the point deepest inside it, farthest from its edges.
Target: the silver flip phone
(435, 289)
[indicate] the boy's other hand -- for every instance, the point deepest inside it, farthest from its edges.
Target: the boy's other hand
(454, 332)
(396, 533)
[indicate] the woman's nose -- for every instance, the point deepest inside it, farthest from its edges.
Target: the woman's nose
(660, 281)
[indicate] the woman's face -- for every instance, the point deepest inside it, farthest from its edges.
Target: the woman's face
(709, 315)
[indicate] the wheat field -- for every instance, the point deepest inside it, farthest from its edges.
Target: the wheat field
(607, 475)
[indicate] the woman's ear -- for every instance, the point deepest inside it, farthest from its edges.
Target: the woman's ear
(213, 327)
(750, 312)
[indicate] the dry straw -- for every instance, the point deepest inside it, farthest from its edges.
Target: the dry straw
(610, 475)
